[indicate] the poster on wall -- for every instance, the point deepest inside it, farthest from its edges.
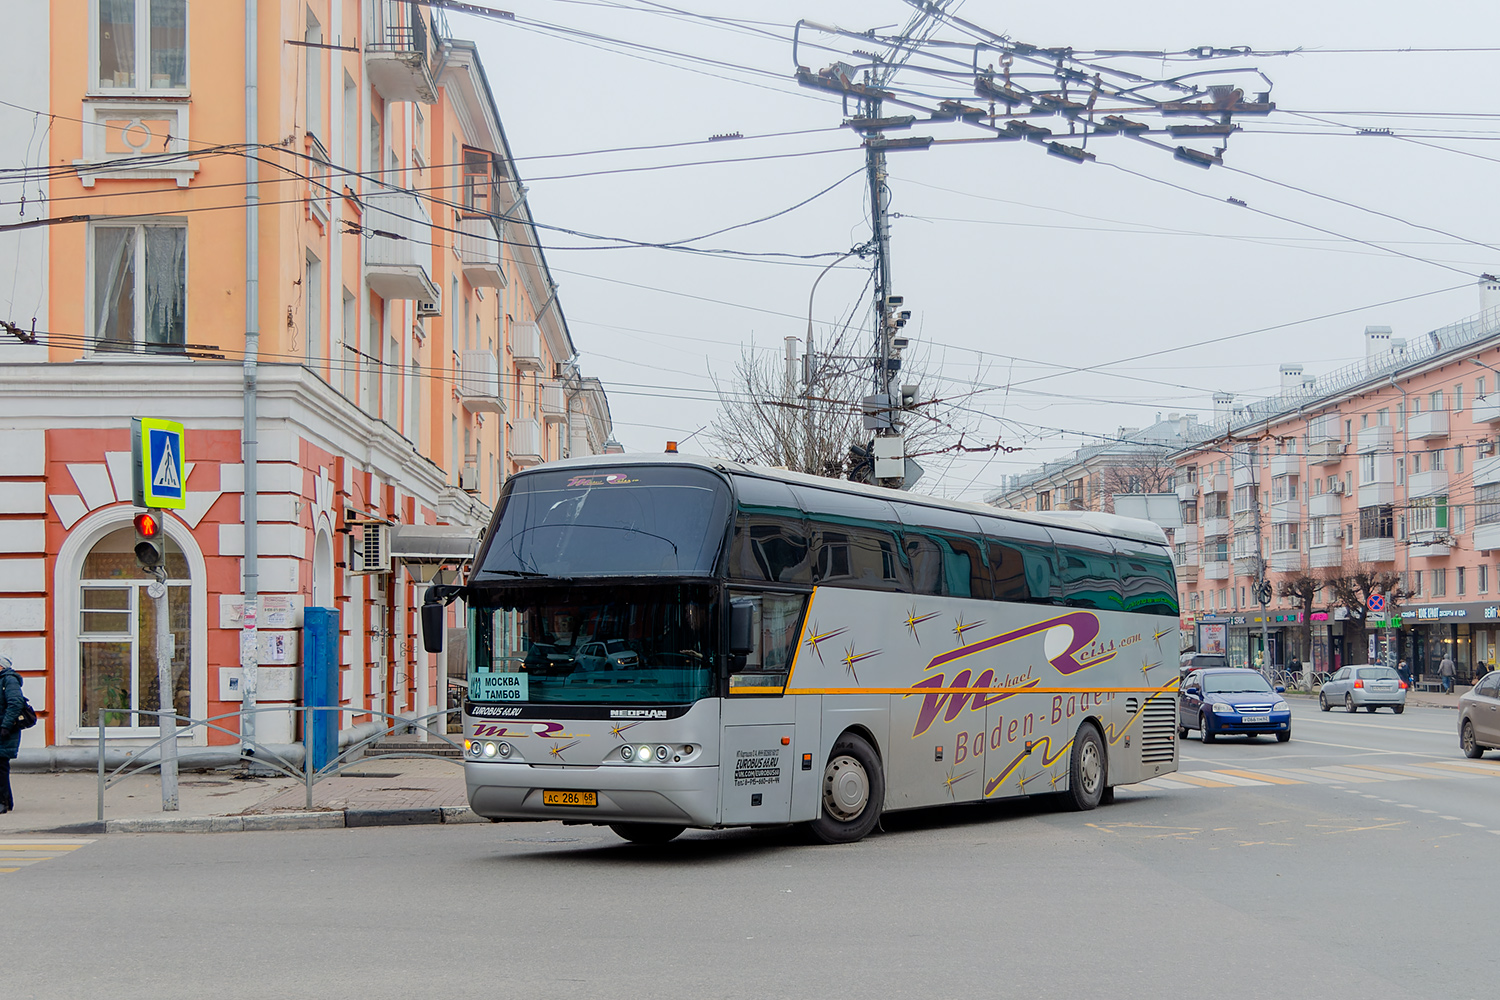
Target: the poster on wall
(1211, 639)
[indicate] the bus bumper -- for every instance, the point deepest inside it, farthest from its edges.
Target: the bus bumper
(635, 794)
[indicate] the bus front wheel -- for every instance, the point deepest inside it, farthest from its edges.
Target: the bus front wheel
(647, 833)
(853, 791)
(1088, 769)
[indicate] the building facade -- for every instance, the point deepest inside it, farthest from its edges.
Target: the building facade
(1384, 471)
(1133, 461)
(306, 240)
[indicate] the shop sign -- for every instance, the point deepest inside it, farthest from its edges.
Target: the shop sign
(1430, 614)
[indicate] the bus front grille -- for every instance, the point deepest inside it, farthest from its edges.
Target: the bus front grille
(1158, 725)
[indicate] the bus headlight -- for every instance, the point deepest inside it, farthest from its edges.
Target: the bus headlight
(504, 749)
(490, 749)
(661, 753)
(644, 753)
(627, 752)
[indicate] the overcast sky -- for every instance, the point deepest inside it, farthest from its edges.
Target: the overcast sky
(1018, 267)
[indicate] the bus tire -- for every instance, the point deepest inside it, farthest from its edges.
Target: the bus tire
(648, 834)
(1088, 769)
(852, 794)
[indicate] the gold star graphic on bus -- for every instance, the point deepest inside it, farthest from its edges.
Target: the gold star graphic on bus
(557, 751)
(851, 658)
(961, 626)
(913, 620)
(814, 637)
(617, 730)
(1147, 666)
(954, 779)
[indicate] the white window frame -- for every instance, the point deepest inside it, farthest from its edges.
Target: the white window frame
(142, 56)
(139, 324)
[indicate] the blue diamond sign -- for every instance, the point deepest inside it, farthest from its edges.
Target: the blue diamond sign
(156, 463)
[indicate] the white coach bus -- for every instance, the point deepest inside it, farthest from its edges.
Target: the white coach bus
(660, 642)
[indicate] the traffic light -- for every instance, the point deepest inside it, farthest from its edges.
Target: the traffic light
(150, 543)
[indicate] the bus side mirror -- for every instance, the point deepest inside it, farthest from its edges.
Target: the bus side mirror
(434, 624)
(741, 629)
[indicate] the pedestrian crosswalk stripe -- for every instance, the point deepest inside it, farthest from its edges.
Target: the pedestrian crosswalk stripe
(1328, 774)
(1453, 765)
(1263, 776)
(18, 854)
(1355, 774)
(1195, 778)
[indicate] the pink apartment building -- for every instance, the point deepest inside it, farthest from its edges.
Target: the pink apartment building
(1389, 464)
(321, 216)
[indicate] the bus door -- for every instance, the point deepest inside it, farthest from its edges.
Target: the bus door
(760, 745)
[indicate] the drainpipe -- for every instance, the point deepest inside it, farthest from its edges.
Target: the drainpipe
(249, 640)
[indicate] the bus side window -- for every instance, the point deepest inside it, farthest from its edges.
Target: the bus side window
(776, 624)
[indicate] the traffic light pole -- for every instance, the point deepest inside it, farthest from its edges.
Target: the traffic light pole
(167, 719)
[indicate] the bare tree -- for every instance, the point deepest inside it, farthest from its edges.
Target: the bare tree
(1303, 588)
(767, 417)
(1352, 588)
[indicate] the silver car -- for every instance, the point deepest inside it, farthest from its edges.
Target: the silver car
(1479, 717)
(1367, 687)
(611, 655)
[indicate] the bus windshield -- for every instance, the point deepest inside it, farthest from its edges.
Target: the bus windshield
(641, 521)
(608, 645)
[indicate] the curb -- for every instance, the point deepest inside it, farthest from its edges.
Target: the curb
(331, 819)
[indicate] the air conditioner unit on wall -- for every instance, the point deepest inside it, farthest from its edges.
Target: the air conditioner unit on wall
(468, 478)
(370, 548)
(1336, 486)
(431, 307)
(1486, 447)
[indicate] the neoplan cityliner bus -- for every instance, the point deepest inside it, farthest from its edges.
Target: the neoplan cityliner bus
(661, 642)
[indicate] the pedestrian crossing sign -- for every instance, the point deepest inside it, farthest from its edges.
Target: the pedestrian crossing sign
(157, 464)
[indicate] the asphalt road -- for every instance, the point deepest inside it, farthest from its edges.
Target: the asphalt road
(1359, 860)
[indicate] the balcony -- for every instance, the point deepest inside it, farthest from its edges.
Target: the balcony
(1427, 426)
(1427, 484)
(1381, 437)
(1377, 494)
(1247, 565)
(1283, 511)
(398, 265)
(1325, 556)
(1325, 452)
(1434, 543)
(1286, 465)
(1377, 550)
(1217, 483)
(525, 443)
(1187, 492)
(554, 410)
(479, 382)
(1286, 562)
(1218, 570)
(1487, 471)
(526, 347)
(1487, 537)
(1485, 409)
(1213, 527)
(400, 51)
(479, 249)
(1325, 505)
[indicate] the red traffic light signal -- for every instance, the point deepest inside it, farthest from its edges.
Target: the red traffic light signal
(150, 546)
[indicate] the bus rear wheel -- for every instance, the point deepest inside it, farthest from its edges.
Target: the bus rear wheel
(647, 833)
(1088, 769)
(853, 792)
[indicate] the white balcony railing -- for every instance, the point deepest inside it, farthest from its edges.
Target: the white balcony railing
(1283, 511)
(525, 442)
(1427, 484)
(1213, 527)
(479, 249)
(1217, 570)
(1377, 550)
(1377, 494)
(1485, 409)
(1427, 426)
(1325, 556)
(1325, 505)
(398, 266)
(1286, 562)
(526, 347)
(1381, 437)
(1186, 492)
(553, 405)
(1286, 465)
(1325, 452)
(479, 382)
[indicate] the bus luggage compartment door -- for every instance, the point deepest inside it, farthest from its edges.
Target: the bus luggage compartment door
(757, 776)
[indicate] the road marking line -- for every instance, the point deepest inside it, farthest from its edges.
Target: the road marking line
(1349, 774)
(1407, 805)
(1368, 725)
(1430, 812)
(1234, 778)
(1201, 782)
(1474, 824)
(1454, 818)
(1465, 768)
(42, 845)
(1306, 774)
(1382, 769)
(1260, 776)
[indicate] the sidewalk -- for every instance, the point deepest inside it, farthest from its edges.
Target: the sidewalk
(381, 792)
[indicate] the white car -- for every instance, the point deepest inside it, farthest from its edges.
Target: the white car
(1367, 687)
(612, 654)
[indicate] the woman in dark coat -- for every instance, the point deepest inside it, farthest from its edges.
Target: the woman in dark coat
(10, 728)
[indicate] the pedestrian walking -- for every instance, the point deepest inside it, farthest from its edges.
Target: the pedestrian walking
(10, 728)
(1403, 669)
(1446, 671)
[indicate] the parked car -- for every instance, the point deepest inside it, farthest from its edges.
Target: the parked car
(1367, 687)
(1231, 701)
(1479, 717)
(1191, 660)
(613, 654)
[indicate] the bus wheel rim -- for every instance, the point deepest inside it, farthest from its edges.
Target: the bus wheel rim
(846, 788)
(1090, 767)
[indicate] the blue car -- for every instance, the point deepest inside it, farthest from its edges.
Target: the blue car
(1229, 701)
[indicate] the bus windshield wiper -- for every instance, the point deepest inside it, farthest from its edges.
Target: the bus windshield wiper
(513, 572)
